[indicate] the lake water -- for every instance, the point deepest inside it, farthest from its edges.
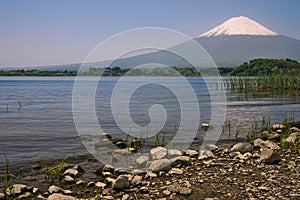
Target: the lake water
(36, 119)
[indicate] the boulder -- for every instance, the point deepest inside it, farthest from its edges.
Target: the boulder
(159, 165)
(242, 147)
(158, 152)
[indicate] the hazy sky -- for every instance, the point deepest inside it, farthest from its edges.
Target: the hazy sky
(47, 32)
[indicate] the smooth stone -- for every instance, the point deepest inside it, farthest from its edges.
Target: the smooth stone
(269, 156)
(71, 172)
(100, 185)
(69, 179)
(181, 160)
(159, 165)
(57, 196)
(174, 153)
(166, 192)
(158, 152)
(121, 183)
(54, 189)
(176, 171)
(242, 147)
(125, 197)
(191, 153)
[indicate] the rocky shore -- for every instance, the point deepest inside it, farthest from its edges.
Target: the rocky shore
(265, 168)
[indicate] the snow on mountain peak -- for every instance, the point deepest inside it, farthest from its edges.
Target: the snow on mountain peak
(239, 26)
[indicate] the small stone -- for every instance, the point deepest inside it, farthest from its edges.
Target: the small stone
(41, 197)
(242, 147)
(121, 183)
(16, 189)
(67, 192)
(137, 180)
(80, 182)
(174, 153)
(176, 171)
(294, 129)
(211, 147)
(159, 165)
(191, 153)
(158, 152)
(69, 179)
(100, 185)
(293, 137)
(125, 197)
(269, 156)
(90, 184)
(54, 189)
(29, 178)
(151, 175)
(277, 126)
(2, 196)
(110, 180)
(108, 168)
(265, 144)
(57, 196)
(108, 197)
(178, 189)
(166, 192)
(270, 135)
(106, 174)
(138, 172)
(204, 154)
(35, 190)
(71, 172)
(181, 160)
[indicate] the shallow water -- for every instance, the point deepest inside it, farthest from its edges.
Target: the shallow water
(43, 127)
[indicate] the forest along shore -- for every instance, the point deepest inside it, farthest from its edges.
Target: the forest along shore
(264, 168)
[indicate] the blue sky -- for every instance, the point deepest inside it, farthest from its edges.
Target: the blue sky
(48, 32)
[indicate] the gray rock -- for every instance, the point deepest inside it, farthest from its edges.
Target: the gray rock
(158, 152)
(142, 160)
(265, 144)
(293, 137)
(191, 153)
(121, 183)
(174, 153)
(159, 165)
(56, 196)
(270, 135)
(269, 156)
(242, 147)
(179, 189)
(54, 189)
(181, 160)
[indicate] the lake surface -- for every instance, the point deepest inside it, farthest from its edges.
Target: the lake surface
(36, 119)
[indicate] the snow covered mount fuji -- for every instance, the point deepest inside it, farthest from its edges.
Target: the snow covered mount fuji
(241, 39)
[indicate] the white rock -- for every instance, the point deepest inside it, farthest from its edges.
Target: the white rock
(293, 137)
(176, 171)
(100, 185)
(54, 189)
(191, 153)
(57, 196)
(71, 172)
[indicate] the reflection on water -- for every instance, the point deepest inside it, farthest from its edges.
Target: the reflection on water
(44, 128)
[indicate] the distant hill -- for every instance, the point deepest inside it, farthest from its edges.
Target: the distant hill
(266, 67)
